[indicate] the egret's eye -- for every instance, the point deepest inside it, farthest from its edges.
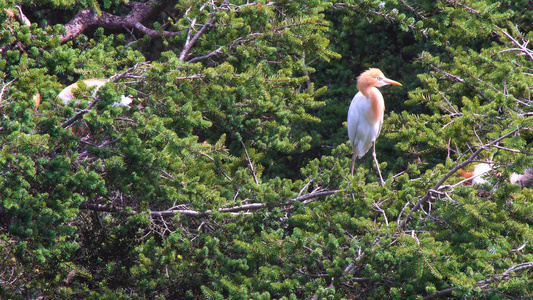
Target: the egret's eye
(379, 78)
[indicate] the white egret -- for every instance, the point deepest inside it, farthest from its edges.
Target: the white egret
(365, 115)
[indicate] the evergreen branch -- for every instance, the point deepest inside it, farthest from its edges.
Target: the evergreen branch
(486, 282)
(413, 10)
(295, 25)
(410, 26)
(126, 74)
(457, 78)
(447, 101)
(455, 2)
(427, 196)
(219, 49)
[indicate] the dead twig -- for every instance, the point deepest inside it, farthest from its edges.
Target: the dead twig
(250, 163)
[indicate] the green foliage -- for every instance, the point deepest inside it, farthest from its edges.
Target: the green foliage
(228, 175)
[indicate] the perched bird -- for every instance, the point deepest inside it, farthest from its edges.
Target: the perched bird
(475, 177)
(365, 115)
(124, 101)
(523, 180)
(466, 175)
(67, 93)
(37, 100)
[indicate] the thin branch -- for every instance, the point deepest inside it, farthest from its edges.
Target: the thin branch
(512, 150)
(4, 87)
(378, 208)
(21, 17)
(189, 44)
(522, 47)
(457, 78)
(519, 248)
(313, 275)
(250, 163)
(220, 169)
(213, 53)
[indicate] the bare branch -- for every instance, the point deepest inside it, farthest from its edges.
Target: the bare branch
(522, 48)
(217, 51)
(4, 87)
(250, 163)
(88, 18)
(198, 214)
(21, 17)
(190, 43)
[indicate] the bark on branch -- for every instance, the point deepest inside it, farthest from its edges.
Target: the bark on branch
(194, 213)
(88, 18)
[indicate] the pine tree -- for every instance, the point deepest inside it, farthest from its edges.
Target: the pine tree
(228, 175)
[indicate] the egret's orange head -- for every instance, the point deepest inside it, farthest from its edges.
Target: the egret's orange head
(373, 78)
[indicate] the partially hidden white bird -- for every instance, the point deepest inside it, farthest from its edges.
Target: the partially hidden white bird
(365, 115)
(67, 93)
(476, 176)
(523, 180)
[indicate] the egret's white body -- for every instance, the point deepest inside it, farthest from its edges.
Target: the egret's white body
(524, 180)
(365, 115)
(479, 170)
(67, 93)
(363, 127)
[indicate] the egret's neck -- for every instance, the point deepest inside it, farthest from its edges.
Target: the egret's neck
(378, 105)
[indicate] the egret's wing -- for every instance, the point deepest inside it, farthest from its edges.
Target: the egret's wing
(362, 130)
(354, 117)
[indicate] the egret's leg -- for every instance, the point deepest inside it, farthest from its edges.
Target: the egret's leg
(377, 164)
(353, 162)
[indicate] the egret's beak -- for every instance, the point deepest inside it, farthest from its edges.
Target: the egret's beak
(390, 81)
